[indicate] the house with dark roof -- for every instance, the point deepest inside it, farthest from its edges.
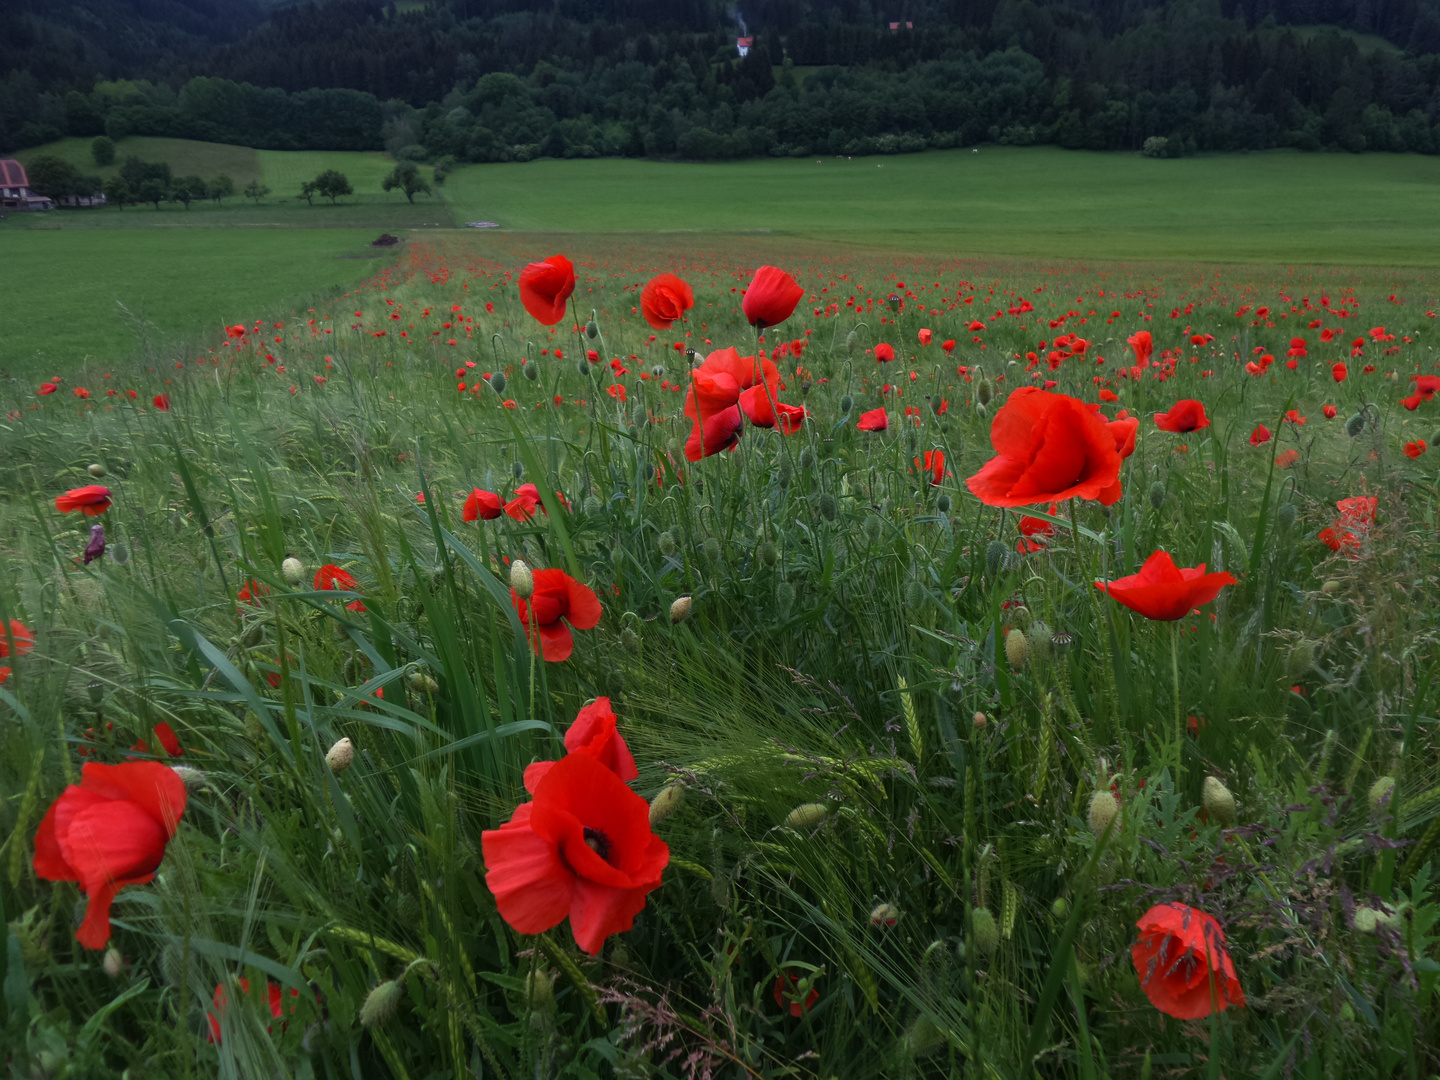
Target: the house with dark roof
(15, 193)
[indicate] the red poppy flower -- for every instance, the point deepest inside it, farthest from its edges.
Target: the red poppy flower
(1358, 511)
(545, 286)
(719, 432)
(884, 353)
(1287, 458)
(1294, 417)
(583, 848)
(22, 636)
(168, 740)
(1166, 592)
(1049, 447)
(1184, 416)
(934, 465)
(595, 734)
(161, 402)
(1143, 345)
(874, 420)
(1339, 372)
(948, 345)
(925, 337)
(1329, 411)
(1427, 386)
(1415, 449)
(273, 998)
(1260, 435)
(665, 299)
(92, 500)
(1125, 432)
(331, 576)
(771, 297)
(251, 591)
(107, 832)
(784, 994)
(482, 506)
(557, 595)
(1338, 540)
(47, 388)
(527, 499)
(1184, 964)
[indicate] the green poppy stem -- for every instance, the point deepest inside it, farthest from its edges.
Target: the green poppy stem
(1175, 676)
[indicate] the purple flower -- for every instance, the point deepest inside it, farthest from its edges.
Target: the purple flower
(96, 547)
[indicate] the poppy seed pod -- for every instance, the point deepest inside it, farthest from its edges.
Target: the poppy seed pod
(1355, 425)
(1017, 648)
(766, 553)
(680, 609)
(1380, 794)
(1285, 516)
(497, 382)
(872, 528)
(529, 370)
(942, 504)
(985, 933)
(784, 598)
(894, 301)
(1157, 494)
(381, 1003)
(340, 756)
(666, 803)
(96, 470)
(1219, 803)
(1103, 808)
(806, 815)
(995, 553)
(591, 330)
(293, 570)
(984, 392)
(521, 579)
(846, 404)
(712, 549)
(666, 543)
(884, 915)
(114, 963)
(828, 505)
(852, 342)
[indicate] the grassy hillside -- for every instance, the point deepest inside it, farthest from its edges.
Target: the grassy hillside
(184, 156)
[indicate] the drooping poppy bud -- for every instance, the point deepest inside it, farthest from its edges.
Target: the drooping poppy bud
(1157, 494)
(1103, 809)
(1219, 803)
(96, 470)
(806, 814)
(666, 803)
(985, 931)
(680, 609)
(884, 915)
(381, 1003)
(293, 570)
(340, 756)
(784, 598)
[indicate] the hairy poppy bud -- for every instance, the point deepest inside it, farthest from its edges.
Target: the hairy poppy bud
(340, 756)
(666, 543)
(617, 556)
(1380, 795)
(1041, 641)
(1016, 647)
(1157, 494)
(943, 504)
(884, 915)
(497, 382)
(806, 814)
(924, 1038)
(1366, 920)
(517, 469)
(293, 570)
(592, 505)
(419, 682)
(1103, 808)
(914, 595)
(846, 404)
(522, 581)
(766, 553)
(1060, 908)
(1219, 803)
(872, 529)
(1355, 425)
(829, 507)
(984, 392)
(381, 1003)
(979, 720)
(1285, 515)
(981, 411)
(712, 550)
(96, 470)
(530, 370)
(666, 803)
(807, 458)
(784, 598)
(591, 330)
(995, 553)
(680, 609)
(1302, 655)
(190, 777)
(630, 639)
(852, 342)
(539, 990)
(985, 933)
(784, 471)
(1330, 588)
(583, 368)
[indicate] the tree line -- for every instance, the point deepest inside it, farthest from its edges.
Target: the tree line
(497, 80)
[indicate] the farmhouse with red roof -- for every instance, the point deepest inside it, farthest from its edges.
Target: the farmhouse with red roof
(15, 193)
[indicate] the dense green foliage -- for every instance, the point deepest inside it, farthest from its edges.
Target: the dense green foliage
(499, 81)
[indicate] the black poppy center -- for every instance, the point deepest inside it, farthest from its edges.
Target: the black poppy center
(598, 842)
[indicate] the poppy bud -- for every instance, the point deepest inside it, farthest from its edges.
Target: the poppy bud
(497, 382)
(828, 506)
(617, 556)
(884, 915)
(591, 330)
(539, 990)
(340, 756)
(1060, 908)
(1380, 794)
(914, 595)
(1157, 494)
(293, 570)
(924, 1038)
(894, 301)
(680, 609)
(766, 553)
(1355, 425)
(1219, 803)
(666, 543)
(984, 392)
(872, 528)
(1041, 640)
(846, 404)
(530, 370)
(784, 470)
(419, 682)
(711, 547)
(984, 931)
(943, 504)
(995, 557)
(630, 639)
(1366, 920)
(522, 581)
(96, 470)
(583, 368)
(807, 458)
(120, 554)
(806, 815)
(1285, 516)
(979, 720)
(980, 411)
(1016, 648)
(1435, 439)
(191, 778)
(1330, 588)
(381, 1003)
(666, 803)
(1103, 808)
(852, 342)
(1302, 655)
(784, 598)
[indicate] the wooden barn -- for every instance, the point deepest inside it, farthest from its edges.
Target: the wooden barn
(15, 193)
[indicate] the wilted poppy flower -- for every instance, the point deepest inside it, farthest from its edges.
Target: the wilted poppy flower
(665, 299)
(783, 994)
(1048, 447)
(161, 402)
(331, 576)
(96, 547)
(1184, 964)
(771, 297)
(273, 999)
(595, 734)
(545, 286)
(1184, 416)
(1165, 592)
(874, 420)
(482, 505)
(1260, 435)
(884, 353)
(92, 500)
(583, 849)
(557, 595)
(934, 465)
(1143, 345)
(107, 832)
